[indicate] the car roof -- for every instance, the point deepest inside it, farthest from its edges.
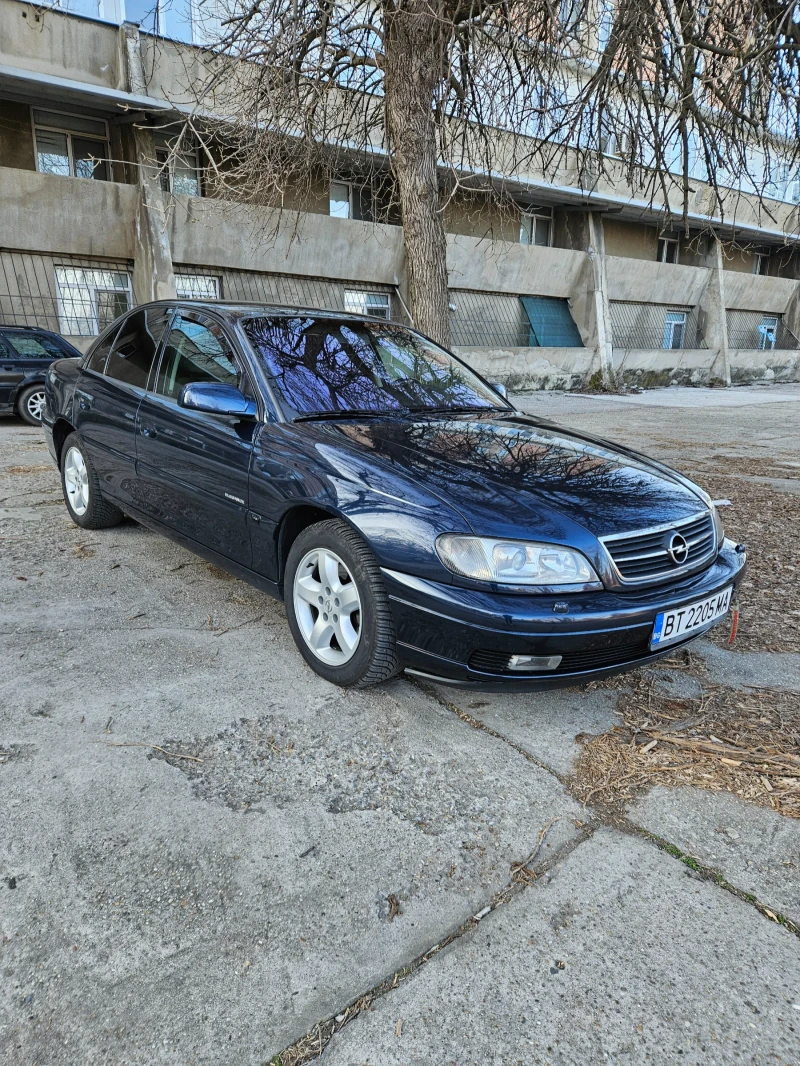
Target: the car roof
(245, 309)
(28, 329)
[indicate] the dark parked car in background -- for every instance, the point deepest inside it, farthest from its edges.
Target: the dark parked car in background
(25, 354)
(406, 513)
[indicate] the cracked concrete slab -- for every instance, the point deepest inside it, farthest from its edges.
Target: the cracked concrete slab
(545, 724)
(755, 849)
(622, 956)
(157, 909)
(758, 669)
(170, 912)
(180, 899)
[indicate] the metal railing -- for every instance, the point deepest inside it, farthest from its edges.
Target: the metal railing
(645, 325)
(488, 320)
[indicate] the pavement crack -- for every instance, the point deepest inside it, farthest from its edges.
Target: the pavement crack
(524, 875)
(701, 870)
(605, 815)
(477, 724)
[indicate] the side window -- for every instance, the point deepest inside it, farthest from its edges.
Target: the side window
(196, 350)
(134, 350)
(31, 346)
(98, 355)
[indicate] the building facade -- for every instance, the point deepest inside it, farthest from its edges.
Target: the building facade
(99, 211)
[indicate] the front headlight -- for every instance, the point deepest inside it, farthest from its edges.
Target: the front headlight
(719, 529)
(513, 562)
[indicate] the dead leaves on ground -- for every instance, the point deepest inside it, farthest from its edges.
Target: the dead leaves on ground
(746, 742)
(765, 519)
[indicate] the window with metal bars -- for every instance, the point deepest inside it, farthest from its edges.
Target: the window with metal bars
(70, 295)
(757, 330)
(643, 325)
(495, 320)
(289, 290)
(197, 286)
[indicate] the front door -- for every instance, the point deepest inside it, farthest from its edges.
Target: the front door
(108, 395)
(193, 468)
(11, 373)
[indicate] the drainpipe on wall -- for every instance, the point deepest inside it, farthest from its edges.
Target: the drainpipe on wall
(714, 319)
(153, 273)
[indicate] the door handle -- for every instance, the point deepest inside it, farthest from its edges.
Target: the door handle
(148, 431)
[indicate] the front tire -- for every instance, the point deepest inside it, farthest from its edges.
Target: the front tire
(81, 487)
(337, 607)
(30, 404)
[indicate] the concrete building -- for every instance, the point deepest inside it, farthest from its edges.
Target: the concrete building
(93, 219)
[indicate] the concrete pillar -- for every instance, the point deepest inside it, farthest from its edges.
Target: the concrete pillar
(153, 273)
(589, 301)
(791, 316)
(713, 317)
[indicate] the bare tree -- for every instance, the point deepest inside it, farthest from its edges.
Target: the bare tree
(689, 102)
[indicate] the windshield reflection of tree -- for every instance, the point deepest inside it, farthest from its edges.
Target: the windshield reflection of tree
(518, 459)
(334, 366)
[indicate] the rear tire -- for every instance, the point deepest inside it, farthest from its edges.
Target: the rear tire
(30, 404)
(81, 488)
(337, 607)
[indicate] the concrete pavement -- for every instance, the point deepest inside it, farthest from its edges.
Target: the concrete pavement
(206, 851)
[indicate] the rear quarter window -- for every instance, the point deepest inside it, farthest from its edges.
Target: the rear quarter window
(98, 355)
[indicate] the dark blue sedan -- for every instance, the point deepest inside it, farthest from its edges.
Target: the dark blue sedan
(406, 513)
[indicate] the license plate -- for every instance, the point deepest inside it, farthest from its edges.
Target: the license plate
(694, 617)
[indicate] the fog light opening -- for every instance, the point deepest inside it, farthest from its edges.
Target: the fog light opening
(533, 663)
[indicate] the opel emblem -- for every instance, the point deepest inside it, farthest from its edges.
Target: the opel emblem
(678, 548)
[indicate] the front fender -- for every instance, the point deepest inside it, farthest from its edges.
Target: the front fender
(397, 518)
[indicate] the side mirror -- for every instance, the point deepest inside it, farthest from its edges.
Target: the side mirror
(217, 399)
(500, 388)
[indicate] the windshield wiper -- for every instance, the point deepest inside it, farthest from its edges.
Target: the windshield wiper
(451, 410)
(315, 416)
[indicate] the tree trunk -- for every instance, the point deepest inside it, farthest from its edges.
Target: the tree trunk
(413, 45)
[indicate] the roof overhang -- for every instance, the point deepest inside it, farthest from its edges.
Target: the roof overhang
(33, 87)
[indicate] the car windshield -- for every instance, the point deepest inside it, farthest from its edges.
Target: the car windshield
(324, 366)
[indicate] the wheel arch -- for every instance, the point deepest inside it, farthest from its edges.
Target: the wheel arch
(292, 525)
(61, 430)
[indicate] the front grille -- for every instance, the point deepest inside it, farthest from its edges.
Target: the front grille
(645, 556)
(487, 661)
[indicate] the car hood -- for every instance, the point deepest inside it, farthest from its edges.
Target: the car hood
(513, 475)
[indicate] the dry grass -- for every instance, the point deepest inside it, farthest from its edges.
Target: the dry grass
(746, 742)
(766, 520)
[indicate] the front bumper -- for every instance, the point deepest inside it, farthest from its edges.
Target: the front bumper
(461, 636)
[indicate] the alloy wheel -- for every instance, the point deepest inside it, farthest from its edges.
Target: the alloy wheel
(76, 481)
(34, 404)
(327, 606)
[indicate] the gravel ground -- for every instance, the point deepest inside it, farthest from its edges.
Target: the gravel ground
(209, 855)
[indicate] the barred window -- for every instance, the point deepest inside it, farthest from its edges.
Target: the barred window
(644, 325)
(89, 300)
(375, 304)
(759, 330)
(197, 286)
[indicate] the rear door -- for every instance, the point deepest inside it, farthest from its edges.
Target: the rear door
(193, 467)
(108, 395)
